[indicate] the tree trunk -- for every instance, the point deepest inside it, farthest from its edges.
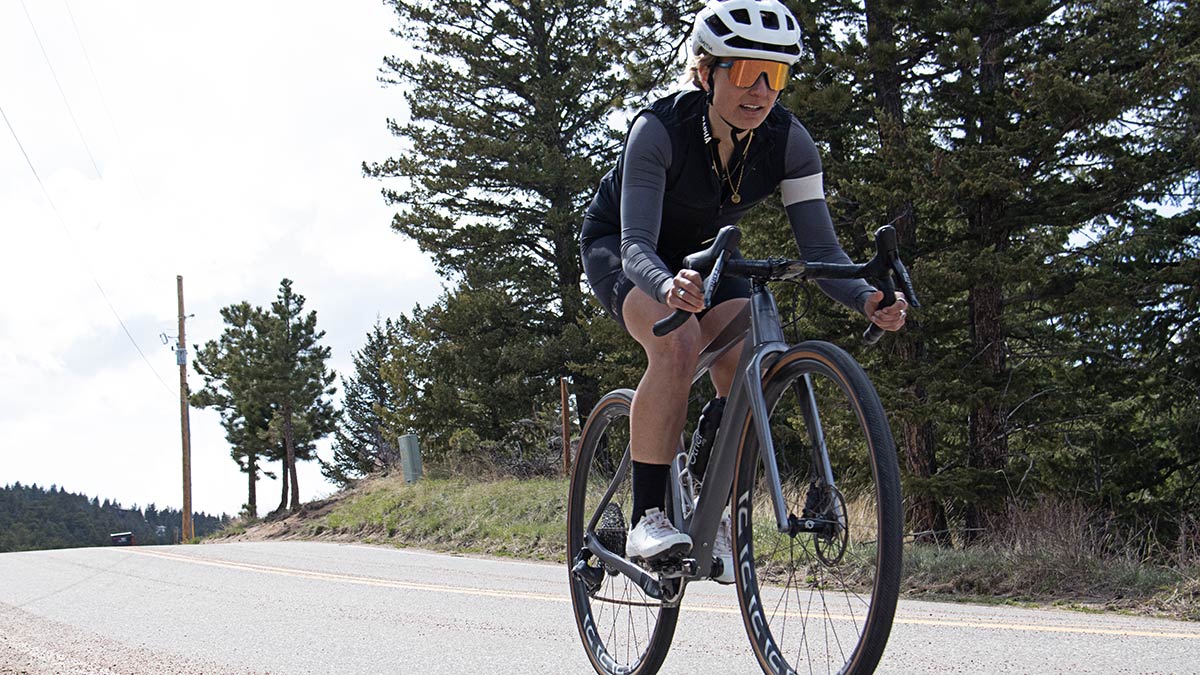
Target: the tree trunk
(926, 516)
(252, 496)
(987, 434)
(289, 439)
(284, 479)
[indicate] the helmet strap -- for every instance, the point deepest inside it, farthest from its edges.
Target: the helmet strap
(711, 110)
(708, 101)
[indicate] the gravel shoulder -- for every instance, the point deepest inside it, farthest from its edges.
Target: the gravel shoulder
(32, 645)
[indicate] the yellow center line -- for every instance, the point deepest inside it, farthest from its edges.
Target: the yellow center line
(352, 579)
(1086, 630)
(690, 607)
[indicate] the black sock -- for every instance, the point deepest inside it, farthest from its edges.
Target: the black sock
(649, 488)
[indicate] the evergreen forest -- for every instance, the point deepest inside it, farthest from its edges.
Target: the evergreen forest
(1040, 160)
(33, 518)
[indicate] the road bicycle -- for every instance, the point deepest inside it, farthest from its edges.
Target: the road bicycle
(803, 458)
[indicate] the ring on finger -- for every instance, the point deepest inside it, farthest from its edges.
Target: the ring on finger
(680, 292)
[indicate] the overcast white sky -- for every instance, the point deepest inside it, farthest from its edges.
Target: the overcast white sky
(221, 141)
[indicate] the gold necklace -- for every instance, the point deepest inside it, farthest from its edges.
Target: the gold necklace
(736, 198)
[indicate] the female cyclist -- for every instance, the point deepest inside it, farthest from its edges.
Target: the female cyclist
(693, 163)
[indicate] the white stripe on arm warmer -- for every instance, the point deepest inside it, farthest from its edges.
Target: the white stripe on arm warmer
(803, 194)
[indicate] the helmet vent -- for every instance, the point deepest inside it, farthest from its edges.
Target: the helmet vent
(791, 24)
(742, 43)
(741, 16)
(770, 20)
(718, 26)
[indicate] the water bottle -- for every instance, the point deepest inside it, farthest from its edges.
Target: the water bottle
(705, 434)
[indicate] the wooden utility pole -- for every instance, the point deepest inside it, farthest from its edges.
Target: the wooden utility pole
(566, 427)
(181, 359)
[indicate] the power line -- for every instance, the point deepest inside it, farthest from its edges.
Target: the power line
(103, 100)
(22, 147)
(60, 91)
(71, 238)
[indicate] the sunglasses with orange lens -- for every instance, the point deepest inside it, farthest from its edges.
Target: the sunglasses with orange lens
(745, 72)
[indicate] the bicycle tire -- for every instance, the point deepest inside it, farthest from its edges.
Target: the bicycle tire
(819, 602)
(624, 632)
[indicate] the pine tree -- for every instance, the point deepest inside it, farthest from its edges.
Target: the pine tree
(232, 368)
(1003, 134)
(893, 180)
(266, 375)
(297, 385)
(508, 138)
(1044, 133)
(363, 444)
(470, 362)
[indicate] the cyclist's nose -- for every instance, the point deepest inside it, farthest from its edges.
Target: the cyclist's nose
(761, 88)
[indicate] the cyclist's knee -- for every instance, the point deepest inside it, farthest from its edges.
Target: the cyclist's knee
(679, 348)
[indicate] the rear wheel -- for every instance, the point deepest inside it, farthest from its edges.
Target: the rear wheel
(625, 631)
(820, 597)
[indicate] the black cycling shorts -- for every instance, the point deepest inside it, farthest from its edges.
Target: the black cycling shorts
(602, 265)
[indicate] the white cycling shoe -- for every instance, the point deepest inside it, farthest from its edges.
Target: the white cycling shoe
(723, 550)
(655, 537)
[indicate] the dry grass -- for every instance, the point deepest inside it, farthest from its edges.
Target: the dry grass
(1065, 553)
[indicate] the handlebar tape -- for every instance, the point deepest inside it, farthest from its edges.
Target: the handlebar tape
(675, 320)
(726, 241)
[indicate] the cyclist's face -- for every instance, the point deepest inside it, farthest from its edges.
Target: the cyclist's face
(743, 107)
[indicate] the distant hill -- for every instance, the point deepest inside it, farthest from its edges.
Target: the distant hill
(34, 518)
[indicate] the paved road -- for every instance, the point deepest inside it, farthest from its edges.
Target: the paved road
(290, 608)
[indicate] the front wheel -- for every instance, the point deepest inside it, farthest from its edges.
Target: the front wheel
(624, 631)
(821, 596)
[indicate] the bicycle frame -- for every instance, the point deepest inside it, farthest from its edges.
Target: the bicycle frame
(746, 406)
(746, 402)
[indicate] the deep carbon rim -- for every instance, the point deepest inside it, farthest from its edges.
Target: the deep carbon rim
(803, 610)
(623, 630)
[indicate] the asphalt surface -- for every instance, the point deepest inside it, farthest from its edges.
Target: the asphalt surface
(292, 608)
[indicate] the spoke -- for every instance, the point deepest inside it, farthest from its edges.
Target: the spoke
(632, 637)
(831, 627)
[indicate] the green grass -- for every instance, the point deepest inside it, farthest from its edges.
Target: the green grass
(525, 518)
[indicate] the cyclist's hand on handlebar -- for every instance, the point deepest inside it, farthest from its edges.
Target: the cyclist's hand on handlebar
(891, 317)
(687, 291)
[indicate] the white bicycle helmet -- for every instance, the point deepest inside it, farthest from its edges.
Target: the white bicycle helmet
(749, 29)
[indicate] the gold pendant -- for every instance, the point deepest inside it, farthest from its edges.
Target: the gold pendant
(735, 198)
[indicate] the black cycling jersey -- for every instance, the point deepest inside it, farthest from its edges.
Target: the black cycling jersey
(664, 198)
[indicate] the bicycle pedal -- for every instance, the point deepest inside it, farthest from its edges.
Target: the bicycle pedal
(672, 567)
(659, 564)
